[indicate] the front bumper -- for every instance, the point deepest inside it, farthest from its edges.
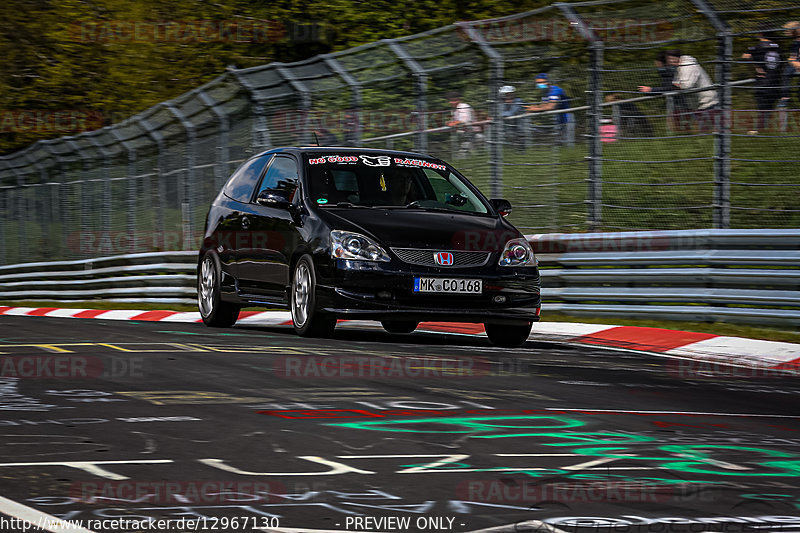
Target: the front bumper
(376, 291)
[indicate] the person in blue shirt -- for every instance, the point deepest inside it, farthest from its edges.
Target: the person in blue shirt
(554, 97)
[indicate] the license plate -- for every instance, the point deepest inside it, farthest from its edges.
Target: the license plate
(448, 285)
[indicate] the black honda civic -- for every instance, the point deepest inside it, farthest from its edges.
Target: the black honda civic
(358, 233)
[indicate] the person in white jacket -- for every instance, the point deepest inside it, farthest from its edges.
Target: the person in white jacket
(690, 75)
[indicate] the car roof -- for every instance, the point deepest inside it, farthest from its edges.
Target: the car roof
(346, 149)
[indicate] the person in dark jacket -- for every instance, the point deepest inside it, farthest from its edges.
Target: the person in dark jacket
(680, 106)
(766, 58)
(792, 69)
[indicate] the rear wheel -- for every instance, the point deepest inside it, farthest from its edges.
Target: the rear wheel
(508, 336)
(399, 326)
(307, 320)
(213, 310)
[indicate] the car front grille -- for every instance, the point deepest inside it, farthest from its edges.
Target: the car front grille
(422, 256)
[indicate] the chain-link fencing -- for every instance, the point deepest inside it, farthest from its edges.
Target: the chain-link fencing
(646, 115)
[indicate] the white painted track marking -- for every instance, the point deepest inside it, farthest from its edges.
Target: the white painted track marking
(764, 351)
(591, 410)
(39, 520)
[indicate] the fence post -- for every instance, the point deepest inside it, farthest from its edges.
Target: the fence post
(596, 52)
(108, 198)
(161, 186)
(421, 86)
(497, 124)
(352, 138)
(305, 100)
(721, 216)
(223, 152)
(21, 215)
(132, 185)
(4, 220)
(260, 136)
(596, 144)
(56, 205)
(87, 203)
(722, 140)
(187, 185)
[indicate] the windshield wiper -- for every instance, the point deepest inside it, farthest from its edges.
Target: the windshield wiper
(415, 205)
(349, 204)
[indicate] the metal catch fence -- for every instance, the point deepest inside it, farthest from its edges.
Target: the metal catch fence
(718, 150)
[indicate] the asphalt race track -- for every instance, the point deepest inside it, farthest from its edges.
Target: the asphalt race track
(254, 428)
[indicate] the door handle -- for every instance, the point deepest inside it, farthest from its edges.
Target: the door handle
(245, 222)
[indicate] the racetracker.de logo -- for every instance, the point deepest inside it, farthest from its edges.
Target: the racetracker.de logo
(63, 121)
(516, 491)
(70, 367)
(481, 240)
(177, 31)
(562, 30)
(292, 366)
(710, 370)
(177, 492)
(641, 241)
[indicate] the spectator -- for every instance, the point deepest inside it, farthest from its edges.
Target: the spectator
(512, 104)
(667, 73)
(462, 119)
(792, 69)
(554, 97)
(690, 75)
(766, 57)
(631, 122)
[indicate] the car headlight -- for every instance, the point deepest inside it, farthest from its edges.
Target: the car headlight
(354, 246)
(517, 253)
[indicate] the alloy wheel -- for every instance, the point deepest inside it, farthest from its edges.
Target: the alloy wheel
(300, 294)
(207, 281)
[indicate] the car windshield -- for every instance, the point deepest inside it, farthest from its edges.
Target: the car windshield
(388, 181)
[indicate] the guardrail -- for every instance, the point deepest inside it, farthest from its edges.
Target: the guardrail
(158, 277)
(750, 276)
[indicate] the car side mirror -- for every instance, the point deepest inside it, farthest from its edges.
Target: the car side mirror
(276, 198)
(503, 207)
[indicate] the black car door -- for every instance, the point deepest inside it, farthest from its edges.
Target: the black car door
(228, 233)
(264, 264)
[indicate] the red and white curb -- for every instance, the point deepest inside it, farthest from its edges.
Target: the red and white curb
(681, 344)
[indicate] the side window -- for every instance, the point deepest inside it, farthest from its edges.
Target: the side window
(444, 188)
(240, 186)
(282, 175)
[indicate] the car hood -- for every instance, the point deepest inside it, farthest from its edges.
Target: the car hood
(415, 228)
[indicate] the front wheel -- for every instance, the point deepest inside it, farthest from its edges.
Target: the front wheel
(213, 310)
(399, 326)
(508, 336)
(307, 320)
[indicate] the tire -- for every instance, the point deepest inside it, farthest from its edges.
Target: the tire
(307, 320)
(213, 310)
(508, 336)
(399, 326)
